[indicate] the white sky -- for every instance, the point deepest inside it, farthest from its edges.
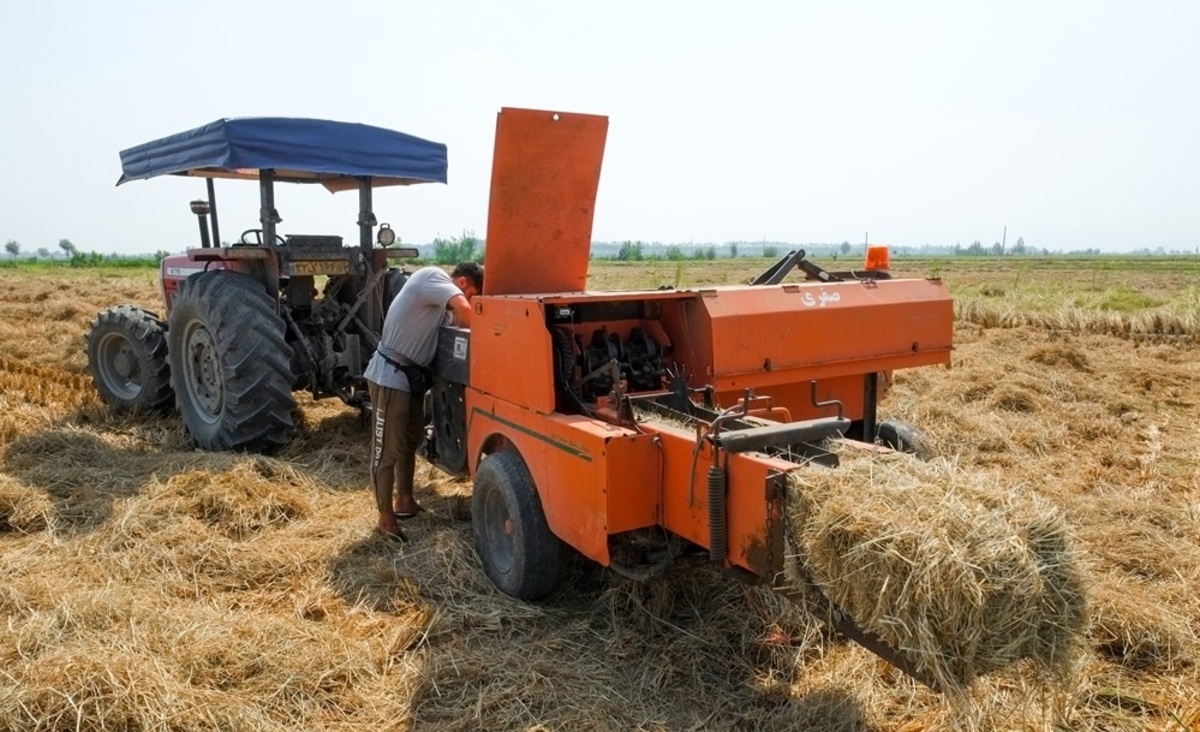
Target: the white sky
(1074, 123)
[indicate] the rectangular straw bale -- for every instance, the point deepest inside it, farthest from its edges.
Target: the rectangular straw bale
(962, 573)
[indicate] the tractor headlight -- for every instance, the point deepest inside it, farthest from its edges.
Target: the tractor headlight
(386, 236)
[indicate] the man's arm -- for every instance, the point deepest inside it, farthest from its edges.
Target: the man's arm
(461, 307)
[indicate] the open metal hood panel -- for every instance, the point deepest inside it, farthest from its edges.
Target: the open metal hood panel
(545, 172)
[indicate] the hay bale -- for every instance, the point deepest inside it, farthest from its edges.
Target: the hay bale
(961, 573)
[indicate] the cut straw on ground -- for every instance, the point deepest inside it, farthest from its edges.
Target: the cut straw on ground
(149, 586)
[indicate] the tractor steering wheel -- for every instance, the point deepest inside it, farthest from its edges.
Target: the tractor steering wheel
(258, 237)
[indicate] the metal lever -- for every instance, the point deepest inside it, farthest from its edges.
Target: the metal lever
(830, 403)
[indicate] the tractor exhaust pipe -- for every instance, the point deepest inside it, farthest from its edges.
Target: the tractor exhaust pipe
(201, 208)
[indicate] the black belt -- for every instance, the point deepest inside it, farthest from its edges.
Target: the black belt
(419, 377)
(399, 365)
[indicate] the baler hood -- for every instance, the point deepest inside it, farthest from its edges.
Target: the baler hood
(545, 172)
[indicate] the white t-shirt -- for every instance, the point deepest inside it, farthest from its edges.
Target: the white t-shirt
(410, 329)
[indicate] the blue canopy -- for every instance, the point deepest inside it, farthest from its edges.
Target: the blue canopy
(334, 154)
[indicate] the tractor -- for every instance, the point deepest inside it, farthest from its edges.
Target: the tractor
(249, 323)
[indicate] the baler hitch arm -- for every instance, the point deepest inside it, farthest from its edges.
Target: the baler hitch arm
(809, 596)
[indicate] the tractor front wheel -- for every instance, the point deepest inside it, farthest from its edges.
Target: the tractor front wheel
(127, 355)
(519, 552)
(230, 364)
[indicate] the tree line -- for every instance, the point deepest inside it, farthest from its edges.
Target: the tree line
(71, 256)
(13, 247)
(468, 247)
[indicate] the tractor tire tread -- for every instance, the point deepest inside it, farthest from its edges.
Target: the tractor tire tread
(148, 333)
(539, 555)
(255, 360)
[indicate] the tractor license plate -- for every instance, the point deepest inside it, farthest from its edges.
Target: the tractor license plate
(320, 267)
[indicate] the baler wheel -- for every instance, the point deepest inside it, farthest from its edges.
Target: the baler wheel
(519, 552)
(903, 437)
(230, 364)
(127, 355)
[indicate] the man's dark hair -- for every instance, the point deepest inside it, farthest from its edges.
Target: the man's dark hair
(472, 271)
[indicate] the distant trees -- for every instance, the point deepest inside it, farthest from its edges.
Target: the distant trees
(658, 251)
(997, 250)
(14, 250)
(458, 249)
(630, 251)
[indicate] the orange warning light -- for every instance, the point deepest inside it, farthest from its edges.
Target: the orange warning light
(877, 257)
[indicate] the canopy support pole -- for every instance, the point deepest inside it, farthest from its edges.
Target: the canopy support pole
(366, 228)
(267, 215)
(212, 211)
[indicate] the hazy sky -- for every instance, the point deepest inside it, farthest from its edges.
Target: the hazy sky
(1075, 124)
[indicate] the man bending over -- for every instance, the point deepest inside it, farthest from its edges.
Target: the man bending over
(398, 377)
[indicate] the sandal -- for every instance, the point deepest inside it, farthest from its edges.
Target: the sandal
(405, 515)
(394, 538)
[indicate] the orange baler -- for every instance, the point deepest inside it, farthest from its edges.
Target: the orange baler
(640, 427)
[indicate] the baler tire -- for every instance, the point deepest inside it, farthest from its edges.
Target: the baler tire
(519, 552)
(230, 364)
(903, 437)
(127, 355)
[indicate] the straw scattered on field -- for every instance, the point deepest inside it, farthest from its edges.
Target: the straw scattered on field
(150, 586)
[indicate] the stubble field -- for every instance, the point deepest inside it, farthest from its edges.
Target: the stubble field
(146, 585)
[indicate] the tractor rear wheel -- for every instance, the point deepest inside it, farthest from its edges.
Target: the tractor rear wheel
(127, 355)
(519, 552)
(230, 364)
